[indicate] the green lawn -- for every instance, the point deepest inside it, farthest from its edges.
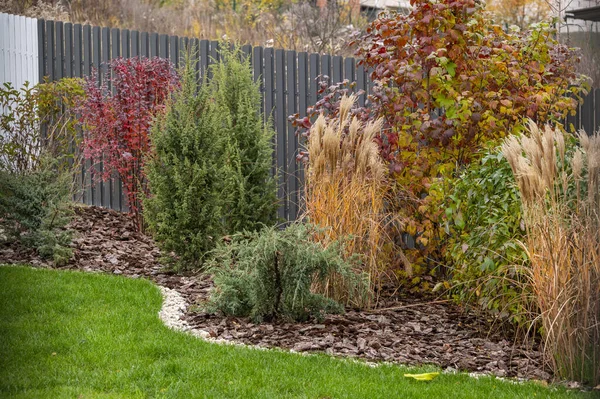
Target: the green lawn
(75, 335)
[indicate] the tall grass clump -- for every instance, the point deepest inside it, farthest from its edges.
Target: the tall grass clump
(561, 204)
(345, 195)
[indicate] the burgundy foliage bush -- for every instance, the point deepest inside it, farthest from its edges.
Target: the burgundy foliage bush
(117, 115)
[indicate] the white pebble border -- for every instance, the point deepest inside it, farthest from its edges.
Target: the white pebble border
(174, 307)
(172, 315)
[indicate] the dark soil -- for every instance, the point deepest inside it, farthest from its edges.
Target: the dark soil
(404, 331)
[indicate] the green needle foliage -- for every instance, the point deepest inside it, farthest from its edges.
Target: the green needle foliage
(250, 191)
(210, 171)
(269, 274)
(184, 209)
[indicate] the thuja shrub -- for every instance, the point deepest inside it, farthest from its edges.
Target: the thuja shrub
(268, 274)
(183, 211)
(249, 195)
(210, 170)
(560, 197)
(116, 117)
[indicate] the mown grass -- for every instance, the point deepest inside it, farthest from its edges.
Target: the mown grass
(76, 335)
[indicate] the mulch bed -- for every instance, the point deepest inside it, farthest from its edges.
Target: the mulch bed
(404, 331)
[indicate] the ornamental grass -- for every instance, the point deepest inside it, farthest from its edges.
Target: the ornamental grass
(346, 188)
(561, 201)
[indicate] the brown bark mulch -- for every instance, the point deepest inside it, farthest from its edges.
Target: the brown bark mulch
(406, 331)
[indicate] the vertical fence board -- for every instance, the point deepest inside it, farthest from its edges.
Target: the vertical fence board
(315, 71)
(115, 44)
(78, 73)
(184, 50)
(144, 44)
(214, 56)
(214, 52)
(69, 50)
(5, 49)
(116, 187)
(280, 123)
(247, 52)
(49, 50)
(125, 44)
(60, 51)
(349, 70)
(270, 96)
(105, 192)
(88, 192)
(292, 142)
(337, 71)
(41, 26)
(361, 84)
(77, 51)
(303, 92)
(153, 45)
(163, 51)
(587, 113)
(135, 43)
(326, 67)
(174, 50)
(18, 53)
(258, 75)
(14, 39)
(33, 50)
(204, 57)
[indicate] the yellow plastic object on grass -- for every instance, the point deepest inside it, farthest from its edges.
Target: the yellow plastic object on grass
(423, 377)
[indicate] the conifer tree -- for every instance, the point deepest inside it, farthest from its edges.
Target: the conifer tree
(250, 196)
(184, 209)
(210, 170)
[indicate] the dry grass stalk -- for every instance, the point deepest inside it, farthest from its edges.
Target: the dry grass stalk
(345, 195)
(561, 204)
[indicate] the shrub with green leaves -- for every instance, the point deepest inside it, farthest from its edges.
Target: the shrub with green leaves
(35, 207)
(209, 173)
(39, 121)
(485, 226)
(268, 274)
(37, 162)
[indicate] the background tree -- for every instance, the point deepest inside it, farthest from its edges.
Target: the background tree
(521, 13)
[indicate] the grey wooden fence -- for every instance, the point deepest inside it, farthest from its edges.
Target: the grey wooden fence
(287, 81)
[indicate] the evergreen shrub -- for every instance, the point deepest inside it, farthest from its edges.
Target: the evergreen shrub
(268, 274)
(210, 168)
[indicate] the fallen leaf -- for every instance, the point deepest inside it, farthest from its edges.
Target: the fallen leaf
(423, 377)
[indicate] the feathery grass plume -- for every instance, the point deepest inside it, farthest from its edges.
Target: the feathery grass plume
(561, 202)
(345, 195)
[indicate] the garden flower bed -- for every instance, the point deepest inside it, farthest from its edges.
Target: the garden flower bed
(402, 330)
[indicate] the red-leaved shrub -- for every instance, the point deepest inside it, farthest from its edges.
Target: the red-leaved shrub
(117, 115)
